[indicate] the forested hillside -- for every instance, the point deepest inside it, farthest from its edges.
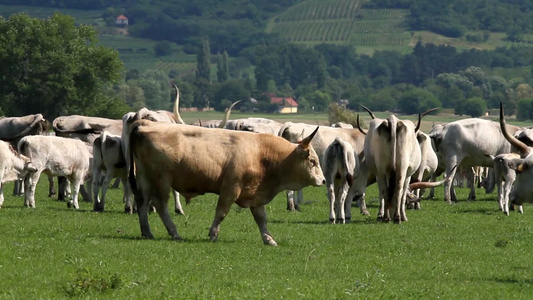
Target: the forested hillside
(367, 52)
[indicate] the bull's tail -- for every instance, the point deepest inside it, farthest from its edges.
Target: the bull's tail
(393, 142)
(131, 174)
(347, 160)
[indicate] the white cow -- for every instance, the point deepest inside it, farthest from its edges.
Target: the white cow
(56, 156)
(13, 166)
(428, 163)
(392, 154)
(522, 192)
(339, 166)
(293, 132)
(505, 177)
(108, 159)
(467, 143)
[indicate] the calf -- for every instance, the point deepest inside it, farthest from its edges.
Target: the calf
(339, 165)
(13, 166)
(55, 156)
(505, 177)
(248, 169)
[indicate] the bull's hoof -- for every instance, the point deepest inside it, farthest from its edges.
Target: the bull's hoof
(98, 209)
(365, 213)
(128, 210)
(348, 220)
(331, 221)
(383, 219)
(148, 236)
(177, 238)
(179, 212)
(69, 204)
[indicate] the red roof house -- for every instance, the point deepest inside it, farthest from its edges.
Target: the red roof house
(286, 104)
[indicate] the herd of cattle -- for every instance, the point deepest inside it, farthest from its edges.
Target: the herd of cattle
(249, 161)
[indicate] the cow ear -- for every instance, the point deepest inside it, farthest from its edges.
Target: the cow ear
(519, 165)
(304, 154)
(305, 142)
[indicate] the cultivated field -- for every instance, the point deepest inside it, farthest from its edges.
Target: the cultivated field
(342, 22)
(464, 251)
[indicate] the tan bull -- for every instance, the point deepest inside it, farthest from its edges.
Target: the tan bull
(241, 167)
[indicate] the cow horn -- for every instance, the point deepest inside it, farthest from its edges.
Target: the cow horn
(420, 116)
(522, 148)
(305, 142)
(226, 116)
(424, 185)
(200, 121)
(177, 116)
(359, 126)
(369, 111)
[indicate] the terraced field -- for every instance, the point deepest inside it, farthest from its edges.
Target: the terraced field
(341, 21)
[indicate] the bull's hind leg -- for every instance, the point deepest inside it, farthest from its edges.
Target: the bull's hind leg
(259, 214)
(160, 201)
(142, 212)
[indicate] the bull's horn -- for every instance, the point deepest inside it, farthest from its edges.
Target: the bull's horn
(177, 116)
(522, 148)
(369, 111)
(226, 116)
(425, 185)
(200, 121)
(305, 142)
(420, 116)
(359, 126)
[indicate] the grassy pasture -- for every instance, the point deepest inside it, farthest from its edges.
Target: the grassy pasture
(461, 251)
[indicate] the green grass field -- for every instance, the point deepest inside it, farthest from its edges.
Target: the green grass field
(468, 250)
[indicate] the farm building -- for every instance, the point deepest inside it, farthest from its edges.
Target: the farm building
(121, 21)
(287, 105)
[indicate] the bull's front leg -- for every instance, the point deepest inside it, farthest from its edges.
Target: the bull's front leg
(259, 213)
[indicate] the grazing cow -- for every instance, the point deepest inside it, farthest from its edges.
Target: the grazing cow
(12, 129)
(13, 166)
(293, 132)
(84, 128)
(247, 168)
(56, 156)
(257, 125)
(467, 143)
(505, 177)
(393, 155)
(339, 165)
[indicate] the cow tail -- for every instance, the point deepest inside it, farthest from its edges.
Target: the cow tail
(22, 148)
(393, 141)
(131, 174)
(345, 161)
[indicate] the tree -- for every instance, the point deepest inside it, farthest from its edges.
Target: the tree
(203, 65)
(163, 48)
(222, 67)
(475, 107)
(54, 67)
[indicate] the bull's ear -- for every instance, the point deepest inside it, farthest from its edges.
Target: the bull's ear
(304, 154)
(519, 165)
(305, 142)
